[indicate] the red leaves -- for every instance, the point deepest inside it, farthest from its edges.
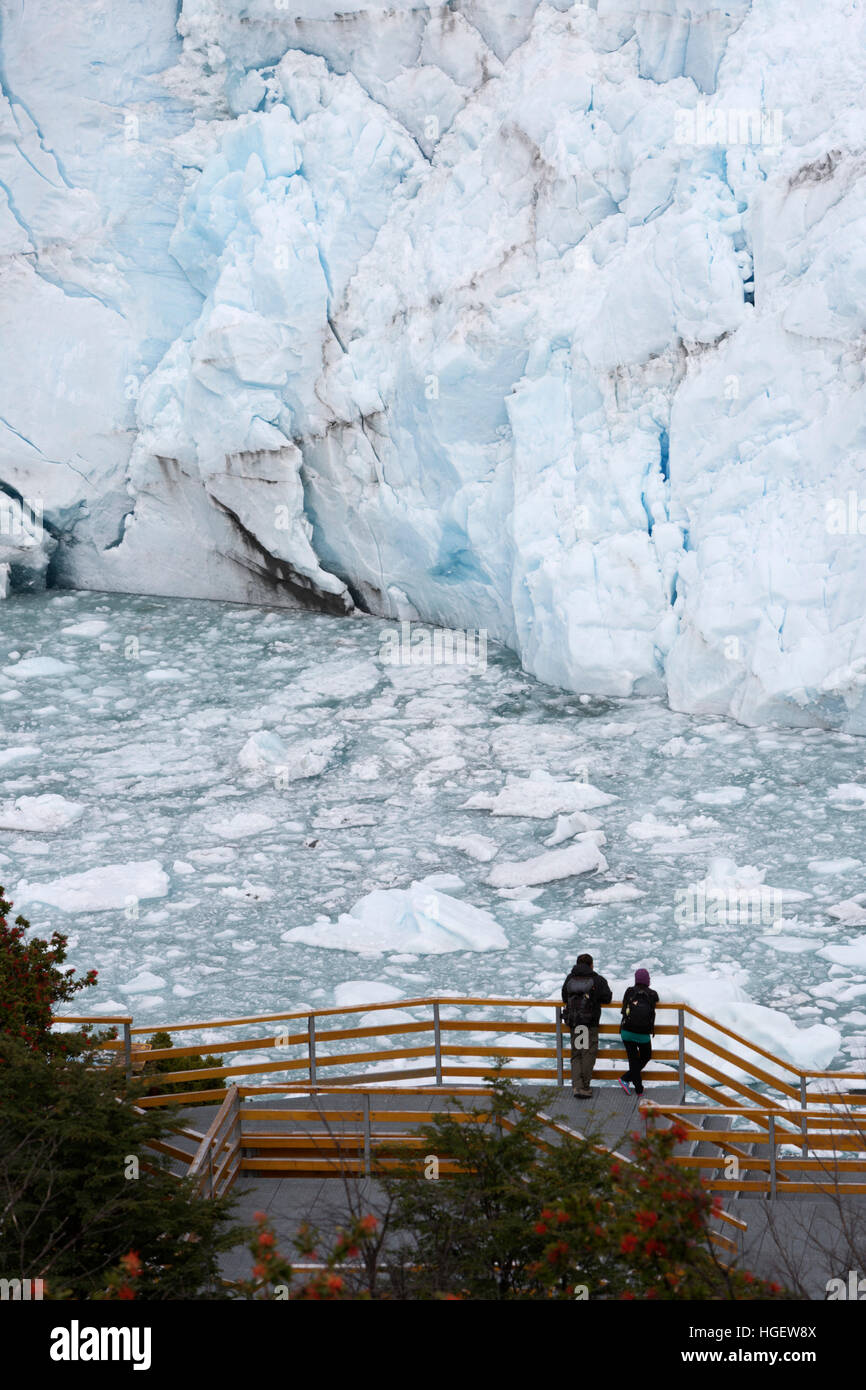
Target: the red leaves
(647, 1219)
(628, 1244)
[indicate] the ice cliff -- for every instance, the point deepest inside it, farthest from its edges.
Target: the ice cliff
(543, 318)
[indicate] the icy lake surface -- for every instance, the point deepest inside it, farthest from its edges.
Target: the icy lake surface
(205, 796)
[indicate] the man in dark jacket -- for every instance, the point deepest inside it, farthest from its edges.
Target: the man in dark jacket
(583, 994)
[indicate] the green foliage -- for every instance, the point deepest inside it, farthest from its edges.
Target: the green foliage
(81, 1191)
(31, 987)
(162, 1065)
(553, 1220)
(275, 1276)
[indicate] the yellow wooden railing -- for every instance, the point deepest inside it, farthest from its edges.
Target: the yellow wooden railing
(361, 1140)
(689, 1052)
(762, 1141)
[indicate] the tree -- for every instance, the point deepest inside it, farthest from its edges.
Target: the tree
(532, 1216)
(162, 1065)
(86, 1204)
(32, 984)
(80, 1188)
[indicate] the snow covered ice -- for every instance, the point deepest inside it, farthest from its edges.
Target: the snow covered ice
(203, 884)
(541, 318)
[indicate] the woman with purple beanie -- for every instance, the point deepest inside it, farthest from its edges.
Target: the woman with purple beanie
(637, 1027)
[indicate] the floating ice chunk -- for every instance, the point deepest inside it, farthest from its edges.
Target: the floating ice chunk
(243, 824)
(143, 983)
(616, 893)
(650, 828)
(248, 892)
(364, 992)
(721, 998)
(222, 854)
(479, 847)
(721, 796)
(309, 759)
(852, 794)
(266, 752)
(105, 889)
(539, 796)
(418, 919)
(262, 751)
(165, 673)
(92, 627)
(34, 666)
(853, 954)
(614, 730)
(384, 1018)
(725, 875)
(790, 945)
(23, 753)
(46, 813)
(851, 912)
(833, 866)
(180, 866)
(582, 858)
(569, 826)
(552, 930)
(344, 817)
(334, 680)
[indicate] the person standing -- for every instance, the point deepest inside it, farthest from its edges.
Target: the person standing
(636, 1030)
(583, 994)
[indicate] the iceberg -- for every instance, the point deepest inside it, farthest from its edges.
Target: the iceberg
(421, 920)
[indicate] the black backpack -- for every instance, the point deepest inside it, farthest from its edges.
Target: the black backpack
(581, 1007)
(639, 1013)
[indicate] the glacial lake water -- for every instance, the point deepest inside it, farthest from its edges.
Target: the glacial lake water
(137, 712)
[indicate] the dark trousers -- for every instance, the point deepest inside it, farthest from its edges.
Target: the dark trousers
(638, 1055)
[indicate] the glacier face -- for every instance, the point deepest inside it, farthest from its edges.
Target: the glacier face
(541, 318)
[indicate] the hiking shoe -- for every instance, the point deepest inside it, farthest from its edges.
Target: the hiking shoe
(584, 1095)
(625, 1086)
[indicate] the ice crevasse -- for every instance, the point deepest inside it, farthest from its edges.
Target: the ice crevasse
(543, 318)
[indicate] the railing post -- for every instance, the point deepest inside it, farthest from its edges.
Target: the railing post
(210, 1169)
(311, 1047)
(681, 1053)
(367, 1134)
(804, 1118)
(560, 1060)
(437, 1043)
(127, 1048)
(771, 1141)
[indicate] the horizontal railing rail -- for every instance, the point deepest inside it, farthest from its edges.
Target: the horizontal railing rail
(695, 1052)
(765, 1149)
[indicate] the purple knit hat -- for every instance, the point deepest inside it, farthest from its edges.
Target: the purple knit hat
(641, 977)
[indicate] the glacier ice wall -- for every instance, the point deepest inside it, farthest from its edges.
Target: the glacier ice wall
(544, 318)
